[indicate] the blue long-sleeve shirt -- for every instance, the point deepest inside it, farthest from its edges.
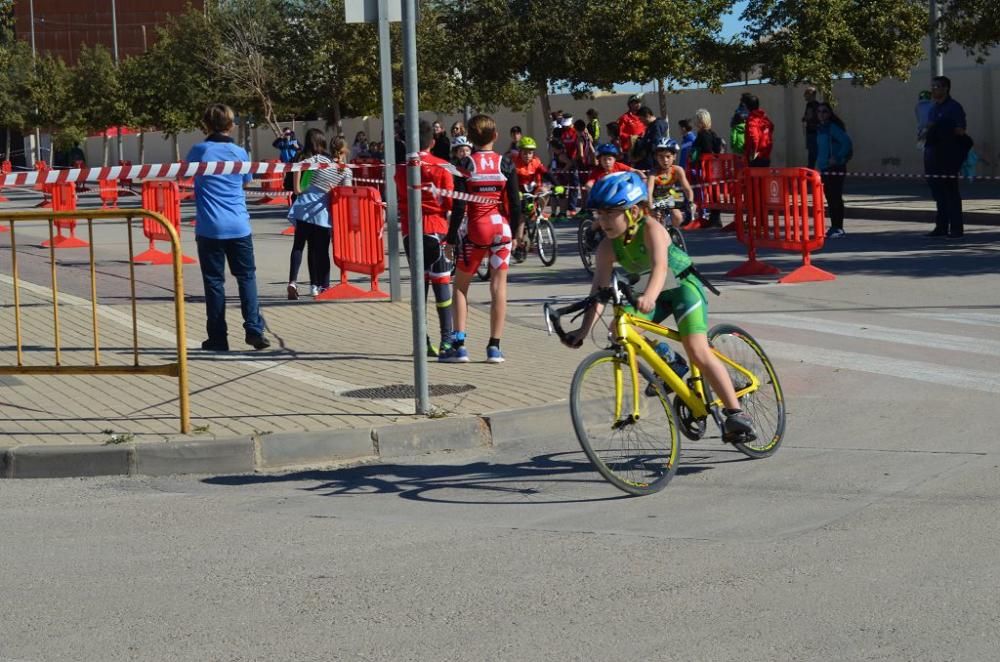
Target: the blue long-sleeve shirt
(833, 146)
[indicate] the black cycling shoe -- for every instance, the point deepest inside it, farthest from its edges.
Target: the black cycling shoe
(738, 428)
(215, 345)
(257, 341)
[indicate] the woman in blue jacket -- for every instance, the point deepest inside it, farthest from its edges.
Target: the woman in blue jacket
(833, 150)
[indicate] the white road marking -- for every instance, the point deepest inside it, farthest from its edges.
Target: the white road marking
(978, 319)
(863, 331)
(281, 368)
(976, 380)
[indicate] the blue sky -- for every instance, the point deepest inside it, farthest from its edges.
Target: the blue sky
(731, 24)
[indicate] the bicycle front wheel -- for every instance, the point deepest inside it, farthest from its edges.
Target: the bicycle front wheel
(636, 454)
(766, 405)
(545, 243)
(677, 237)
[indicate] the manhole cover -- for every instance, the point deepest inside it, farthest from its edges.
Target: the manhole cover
(405, 391)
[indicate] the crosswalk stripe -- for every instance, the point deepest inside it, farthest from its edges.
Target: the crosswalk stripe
(978, 319)
(977, 380)
(902, 336)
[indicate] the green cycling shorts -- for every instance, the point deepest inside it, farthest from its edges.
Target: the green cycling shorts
(688, 304)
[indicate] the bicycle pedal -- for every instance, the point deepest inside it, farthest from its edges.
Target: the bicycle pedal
(738, 437)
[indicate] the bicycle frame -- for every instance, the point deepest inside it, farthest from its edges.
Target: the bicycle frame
(628, 338)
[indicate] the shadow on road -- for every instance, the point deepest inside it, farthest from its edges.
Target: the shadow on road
(565, 477)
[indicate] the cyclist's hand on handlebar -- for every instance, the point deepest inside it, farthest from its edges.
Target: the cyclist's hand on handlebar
(646, 303)
(574, 339)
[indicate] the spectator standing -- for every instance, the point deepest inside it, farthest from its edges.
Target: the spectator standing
(515, 138)
(810, 124)
(571, 150)
(442, 144)
(457, 129)
(593, 125)
(738, 126)
(655, 131)
(288, 148)
(687, 141)
(586, 145)
(223, 233)
(922, 111)
(833, 150)
(706, 142)
(630, 126)
(311, 210)
(359, 149)
(945, 150)
(760, 134)
(460, 149)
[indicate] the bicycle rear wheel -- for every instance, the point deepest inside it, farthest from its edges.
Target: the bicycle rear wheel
(766, 405)
(545, 243)
(585, 244)
(636, 455)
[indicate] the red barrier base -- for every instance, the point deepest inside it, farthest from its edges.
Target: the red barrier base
(289, 230)
(154, 256)
(807, 273)
(348, 291)
(753, 267)
(65, 242)
(282, 200)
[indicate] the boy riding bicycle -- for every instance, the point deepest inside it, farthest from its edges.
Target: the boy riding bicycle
(667, 182)
(640, 246)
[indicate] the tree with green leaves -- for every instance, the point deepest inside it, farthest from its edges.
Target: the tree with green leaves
(97, 94)
(50, 96)
(972, 24)
(15, 79)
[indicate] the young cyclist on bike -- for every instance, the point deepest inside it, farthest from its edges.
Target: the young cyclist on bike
(531, 174)
(607, 163)
(437, 266)
(668, 181)
(490, 176)
(641, 246)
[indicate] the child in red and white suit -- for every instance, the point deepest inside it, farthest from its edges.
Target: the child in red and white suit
(494, 217)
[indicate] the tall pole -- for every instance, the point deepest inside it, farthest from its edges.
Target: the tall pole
(391, 213)
(37, 147)
(114, 41)
(937, 59)
(418, 306)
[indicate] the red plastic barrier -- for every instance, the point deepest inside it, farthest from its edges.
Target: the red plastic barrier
(163, 197)
(274, 189)
(42, 167)
(784, 209)
(64, 199)
(5, 168)
(186, 186)
(369, 170)
(108, 189)
(358, 219)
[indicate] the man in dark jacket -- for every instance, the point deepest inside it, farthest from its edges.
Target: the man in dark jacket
(945, 150)
(656, 130)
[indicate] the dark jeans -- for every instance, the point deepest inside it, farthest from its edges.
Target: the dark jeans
(213, 255)
(949, 204)
(811, 148)
(318, 258)
(833, 189)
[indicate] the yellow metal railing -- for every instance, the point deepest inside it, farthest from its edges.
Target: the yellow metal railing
(177, 369)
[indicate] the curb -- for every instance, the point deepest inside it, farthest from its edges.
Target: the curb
(270, 452)
(916, 215)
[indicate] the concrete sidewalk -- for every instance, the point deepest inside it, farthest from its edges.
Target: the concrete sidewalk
(333, 367)
(910, 200)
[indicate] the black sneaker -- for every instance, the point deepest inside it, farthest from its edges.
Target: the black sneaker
(257, 341)
(215, 346)
(937, 233)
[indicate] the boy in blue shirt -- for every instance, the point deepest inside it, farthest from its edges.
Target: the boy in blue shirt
(223, 234)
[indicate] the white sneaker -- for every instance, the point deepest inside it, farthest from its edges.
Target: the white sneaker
(314, 290)
(835, 233)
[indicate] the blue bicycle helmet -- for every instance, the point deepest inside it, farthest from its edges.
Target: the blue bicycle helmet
(608, 149)
(617, 190)
(668, 144)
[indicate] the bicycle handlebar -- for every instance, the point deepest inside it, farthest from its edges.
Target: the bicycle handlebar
(619, 290)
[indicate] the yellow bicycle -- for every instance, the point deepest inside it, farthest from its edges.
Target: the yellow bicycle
(620, 396)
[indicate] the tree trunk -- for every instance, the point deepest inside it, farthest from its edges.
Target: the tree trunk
(336, 120)
(142, 147)
(177, 148)
(6, 156)
(543, 96)
(104, 147)
(661, 93)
